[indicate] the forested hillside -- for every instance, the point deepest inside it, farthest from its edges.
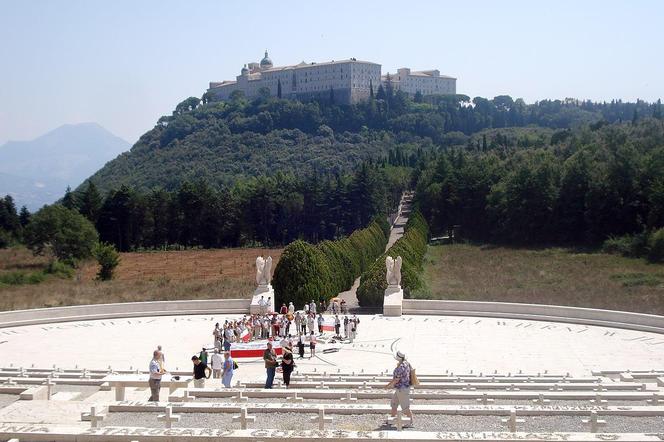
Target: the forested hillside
(223, 141)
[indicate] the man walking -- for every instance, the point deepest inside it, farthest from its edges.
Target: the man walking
(227, 375)
(401, 384)
(156, 371)
(270, 358)
(201, 372)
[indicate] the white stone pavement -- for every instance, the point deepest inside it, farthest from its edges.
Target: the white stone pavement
(433, 344)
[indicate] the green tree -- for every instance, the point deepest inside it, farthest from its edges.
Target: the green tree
(69, 201)
(90, 202)
(108, 258)
(279, 88)
(24, 216)
(187, 105)
(62, 232)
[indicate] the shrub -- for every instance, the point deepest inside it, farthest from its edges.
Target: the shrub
(340, 262)
(412, 247)
(108, 259)
(59, 269)
(301, 275)
(632, 246)
(20, 278)
(656, 246)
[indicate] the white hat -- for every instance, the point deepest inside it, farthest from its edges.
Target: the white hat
(400, 356)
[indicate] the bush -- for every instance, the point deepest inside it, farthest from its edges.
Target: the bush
(412, 247)
(67, 234)
(301, 275)
(341, 261)
(59, 269)
(5, 239)
(632, 246)
(656, 246)
(20, 278)
(108, 259)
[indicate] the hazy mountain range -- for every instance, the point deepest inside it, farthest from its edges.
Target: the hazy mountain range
(37, 172)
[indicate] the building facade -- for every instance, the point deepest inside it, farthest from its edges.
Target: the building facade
(344, 82)
(426, 82)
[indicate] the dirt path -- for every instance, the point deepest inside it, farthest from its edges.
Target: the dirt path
(396, 232)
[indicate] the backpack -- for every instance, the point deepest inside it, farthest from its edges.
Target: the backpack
(235, 366)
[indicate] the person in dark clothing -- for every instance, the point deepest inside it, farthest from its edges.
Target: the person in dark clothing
(300, 347)
(287, 366)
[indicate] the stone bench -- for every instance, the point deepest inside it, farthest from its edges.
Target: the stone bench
(427, 379)
(121, 382)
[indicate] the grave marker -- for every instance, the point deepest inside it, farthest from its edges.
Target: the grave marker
(484, 400)
(240, 397)
(321, 419)
(243, 418)
(512, 421)
(594, 422)
(168, 417)
(94, 416)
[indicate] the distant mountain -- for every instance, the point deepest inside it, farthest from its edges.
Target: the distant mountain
(37, 172)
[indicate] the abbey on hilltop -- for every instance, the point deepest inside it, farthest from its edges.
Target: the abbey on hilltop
(344, 81)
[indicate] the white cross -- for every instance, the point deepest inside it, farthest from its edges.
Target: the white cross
(469, 387)
(556, 387)
(322, 385)
(512, 421)
(656, 399)
(484, 400)
(22, 373)
(512, 387)
(598, 400)
(398, 421)
(349, 397)
(295, 398)
(244, 418)
(540, 400)
(240, 398)
(86, 374)
(93, 416)
(594, 422)
(10, 381)
(321, 418)
(49, 388)
(188, 397)
(168, 417)
(600, 387)
(238, 384)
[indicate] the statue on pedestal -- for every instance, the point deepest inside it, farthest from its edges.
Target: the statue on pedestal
(393, 274)
(263, 270)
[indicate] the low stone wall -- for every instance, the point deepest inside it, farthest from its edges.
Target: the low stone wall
(122, 310)
(576, 315)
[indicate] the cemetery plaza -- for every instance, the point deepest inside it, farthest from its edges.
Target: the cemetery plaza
(481, 378)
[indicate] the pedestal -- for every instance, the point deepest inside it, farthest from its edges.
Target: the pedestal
(393, 301)
(266, 291)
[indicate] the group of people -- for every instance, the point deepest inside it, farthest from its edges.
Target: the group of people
(403, 376)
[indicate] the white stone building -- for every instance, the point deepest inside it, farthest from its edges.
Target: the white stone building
(347, 81)
(426, 82)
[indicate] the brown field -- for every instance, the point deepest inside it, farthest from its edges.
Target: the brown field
(149, 276)
(546, 276)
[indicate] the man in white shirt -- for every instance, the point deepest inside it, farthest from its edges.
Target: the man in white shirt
(312, 307)
(156, 372)
(217, 364)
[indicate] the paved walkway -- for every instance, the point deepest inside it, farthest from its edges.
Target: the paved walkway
(396, 232)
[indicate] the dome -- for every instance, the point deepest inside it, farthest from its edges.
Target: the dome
(244, 70)
(266, 63)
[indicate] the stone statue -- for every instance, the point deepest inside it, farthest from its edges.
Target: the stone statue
(263, 270)
(393, 271)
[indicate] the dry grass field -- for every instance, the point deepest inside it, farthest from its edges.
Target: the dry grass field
(151, 276)
(547, 276)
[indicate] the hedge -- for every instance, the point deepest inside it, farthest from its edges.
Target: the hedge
(306, 272)
(411, 247)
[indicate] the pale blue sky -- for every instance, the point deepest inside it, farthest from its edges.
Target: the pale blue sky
(124, 63)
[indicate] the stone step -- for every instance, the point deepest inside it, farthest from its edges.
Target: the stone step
(384, 408)
(465, 379)
(80, 434)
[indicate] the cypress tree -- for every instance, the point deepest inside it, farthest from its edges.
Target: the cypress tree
(279, 88)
